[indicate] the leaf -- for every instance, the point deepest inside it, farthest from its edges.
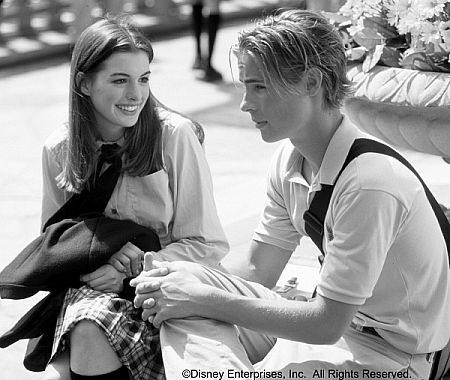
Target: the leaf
(372, 58)
(390, 57)
(368, 38)
(380, 25)
(356, 54)
(411, 60)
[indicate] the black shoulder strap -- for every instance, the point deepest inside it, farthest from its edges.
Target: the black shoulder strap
(315, 216)
(95, 200)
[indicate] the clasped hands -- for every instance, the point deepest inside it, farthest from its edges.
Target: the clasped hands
(166, 290)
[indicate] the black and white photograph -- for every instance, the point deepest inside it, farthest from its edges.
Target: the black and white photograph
(225, 189)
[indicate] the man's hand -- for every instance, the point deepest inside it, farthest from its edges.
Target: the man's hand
(168, 291)
(105, 279)
(128, 260)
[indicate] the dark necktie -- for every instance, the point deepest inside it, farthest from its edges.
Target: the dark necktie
(94, 200)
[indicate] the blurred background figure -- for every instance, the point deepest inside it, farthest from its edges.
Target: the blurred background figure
(213, 18)
(324, 5)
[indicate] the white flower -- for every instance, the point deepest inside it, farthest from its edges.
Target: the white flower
(444, 28)
(428, 8)
(395, 10)
(422, 25)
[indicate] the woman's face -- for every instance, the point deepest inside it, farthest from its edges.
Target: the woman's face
(118, 92)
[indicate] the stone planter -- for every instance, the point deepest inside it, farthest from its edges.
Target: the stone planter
(406, 108)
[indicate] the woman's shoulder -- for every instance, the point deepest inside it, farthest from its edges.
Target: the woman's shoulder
(175, 125)
(56, 142)
(57, 139)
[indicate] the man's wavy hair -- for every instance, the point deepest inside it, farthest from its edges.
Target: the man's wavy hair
(142, 148)
(292, 42)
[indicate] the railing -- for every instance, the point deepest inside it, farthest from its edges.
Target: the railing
(30, 17)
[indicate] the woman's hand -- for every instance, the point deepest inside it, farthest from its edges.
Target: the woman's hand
(105, 279)
(128, 260)
(168, 291)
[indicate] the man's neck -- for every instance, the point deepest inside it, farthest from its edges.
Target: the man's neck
(314, 146)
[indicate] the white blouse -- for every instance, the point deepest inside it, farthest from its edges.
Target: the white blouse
(177, 201)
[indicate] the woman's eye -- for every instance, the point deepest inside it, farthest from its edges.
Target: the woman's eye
(259, 87)
(144, 79)
(119, 81)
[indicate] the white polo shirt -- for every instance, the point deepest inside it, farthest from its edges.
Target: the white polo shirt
(384, 247)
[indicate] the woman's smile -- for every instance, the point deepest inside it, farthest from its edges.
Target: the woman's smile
(128, 109)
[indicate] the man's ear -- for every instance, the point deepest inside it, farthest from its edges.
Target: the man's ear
(313, 80)
(83, 83)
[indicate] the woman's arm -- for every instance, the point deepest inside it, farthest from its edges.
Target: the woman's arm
(197, 233)
(52, 196)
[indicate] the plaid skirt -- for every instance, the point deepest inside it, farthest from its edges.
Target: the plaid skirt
(135, 342)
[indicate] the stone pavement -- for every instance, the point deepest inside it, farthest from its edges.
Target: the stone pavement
(33, 101)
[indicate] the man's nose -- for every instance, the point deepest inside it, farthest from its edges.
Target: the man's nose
(246, 105)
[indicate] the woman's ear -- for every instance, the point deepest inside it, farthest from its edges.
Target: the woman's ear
(83, 83)
(313, 81)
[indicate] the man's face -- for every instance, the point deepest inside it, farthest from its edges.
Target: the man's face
(276, 115)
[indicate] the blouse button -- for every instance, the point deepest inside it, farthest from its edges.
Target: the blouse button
(113, 211)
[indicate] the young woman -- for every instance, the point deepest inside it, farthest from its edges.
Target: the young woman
(165, 184)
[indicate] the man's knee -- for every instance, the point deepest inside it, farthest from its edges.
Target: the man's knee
(203, 273)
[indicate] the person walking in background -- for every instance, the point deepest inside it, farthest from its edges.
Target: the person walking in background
(164, 184)
(382, 301)
(324, 5)
(204, 62)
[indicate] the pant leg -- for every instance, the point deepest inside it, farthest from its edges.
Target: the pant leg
(199, 343)
(355, 355)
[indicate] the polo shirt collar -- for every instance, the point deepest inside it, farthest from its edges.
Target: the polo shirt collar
(294, 166)
(337, 152)
(333, 159)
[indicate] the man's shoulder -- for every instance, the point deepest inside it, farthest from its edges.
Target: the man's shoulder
(379, 172)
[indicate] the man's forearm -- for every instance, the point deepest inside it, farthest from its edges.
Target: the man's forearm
(309, 322)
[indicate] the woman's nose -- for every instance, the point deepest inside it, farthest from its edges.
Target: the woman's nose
(133, 91)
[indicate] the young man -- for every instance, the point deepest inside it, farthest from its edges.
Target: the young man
(382, 306)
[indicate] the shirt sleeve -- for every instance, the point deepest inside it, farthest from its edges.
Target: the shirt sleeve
(52, 196)
(363, 227)
(197, 234)
(275, 226)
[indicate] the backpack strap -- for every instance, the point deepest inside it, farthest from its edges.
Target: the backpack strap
(315, 216)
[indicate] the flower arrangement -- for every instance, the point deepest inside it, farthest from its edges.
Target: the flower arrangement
(412, 34)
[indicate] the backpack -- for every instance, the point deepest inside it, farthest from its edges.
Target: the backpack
(314, 219)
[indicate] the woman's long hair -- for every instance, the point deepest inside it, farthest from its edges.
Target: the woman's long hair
(142, 148)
